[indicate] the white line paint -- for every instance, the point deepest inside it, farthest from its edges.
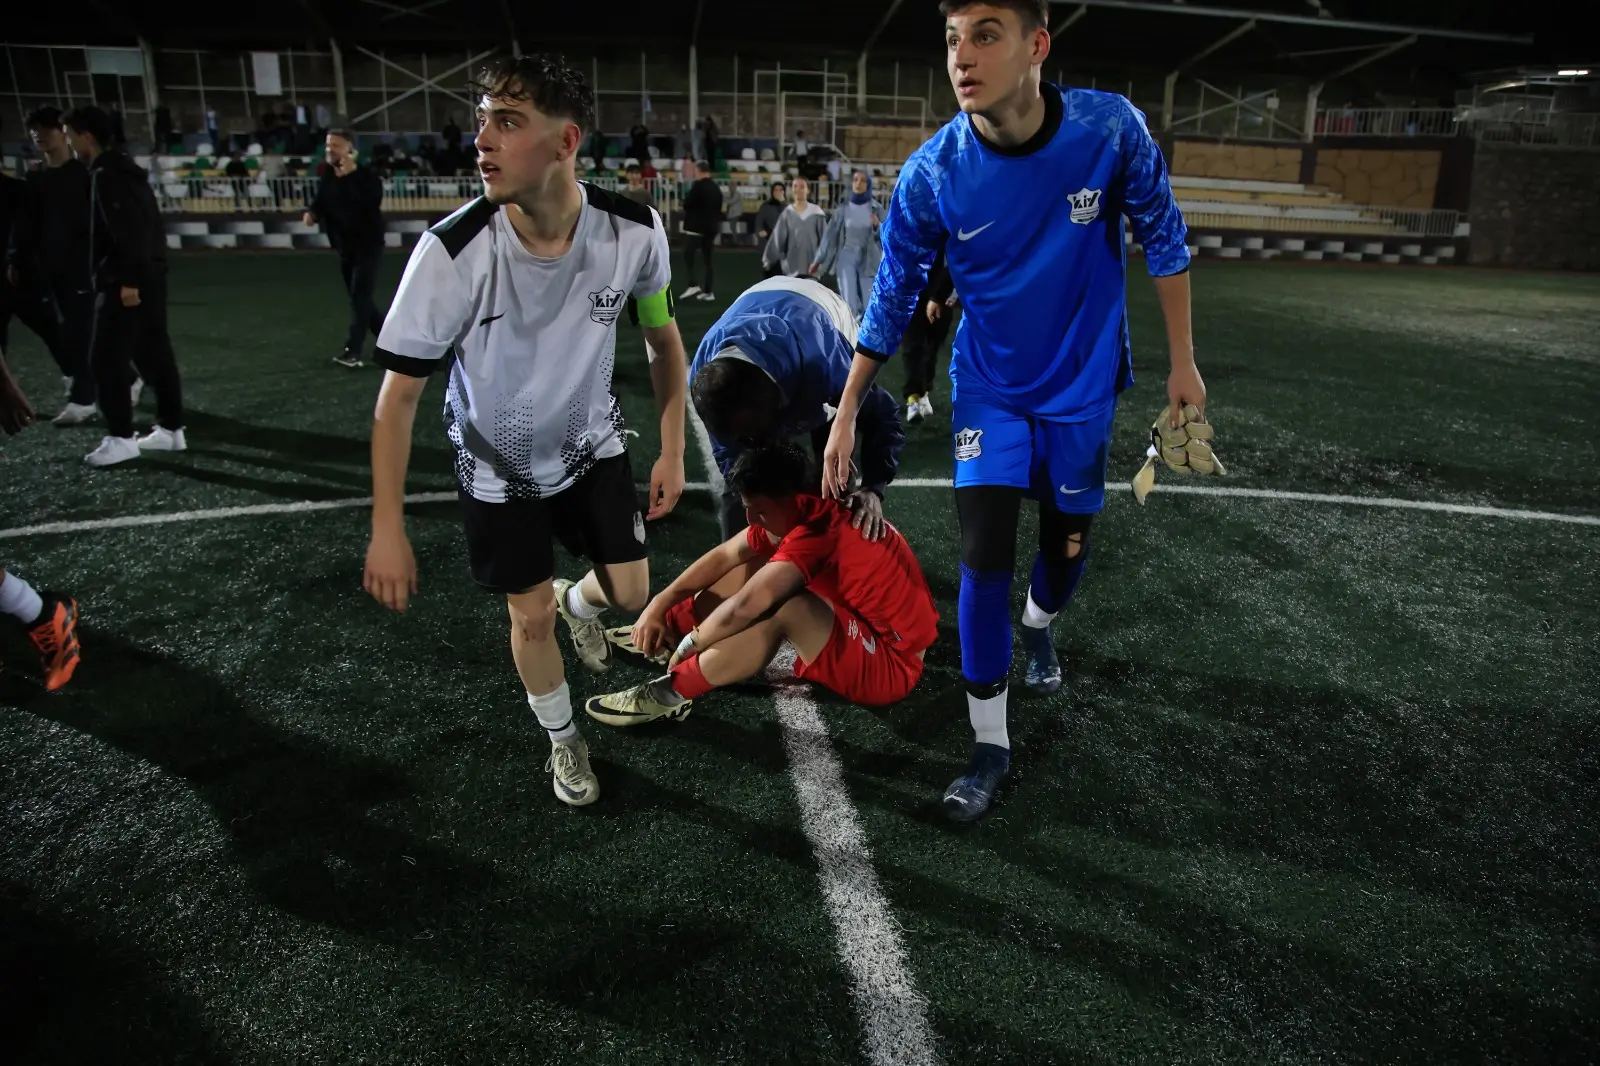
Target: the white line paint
(894, 1015)
(309, 506)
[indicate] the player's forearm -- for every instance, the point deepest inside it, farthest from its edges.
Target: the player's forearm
(391, 447)
(863, 369)
(669, 378)
(702, 573)
(1173, 292)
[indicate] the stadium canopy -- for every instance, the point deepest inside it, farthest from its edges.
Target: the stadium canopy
(1286, 37)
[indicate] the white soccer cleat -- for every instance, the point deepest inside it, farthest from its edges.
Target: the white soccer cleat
(708, 297)
(692, 290)
(914, 410)
(588, 635)
(925, 406)
(113, 450)
(75, 414)
(162, 439)
(571, 777)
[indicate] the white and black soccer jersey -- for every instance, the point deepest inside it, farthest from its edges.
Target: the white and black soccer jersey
(529, 342)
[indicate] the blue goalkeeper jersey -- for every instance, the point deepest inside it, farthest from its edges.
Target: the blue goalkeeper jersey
(1034, 241)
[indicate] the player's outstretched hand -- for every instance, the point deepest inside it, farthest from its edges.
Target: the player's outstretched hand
(836, 459)
(16, 414)
(650, 632)
(1184, 386)
(666, 486)
(391, 572)
(868, 512)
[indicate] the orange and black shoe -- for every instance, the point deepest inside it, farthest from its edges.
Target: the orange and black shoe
(55, 634)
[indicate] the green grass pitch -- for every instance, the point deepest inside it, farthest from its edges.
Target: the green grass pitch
(1321, 786)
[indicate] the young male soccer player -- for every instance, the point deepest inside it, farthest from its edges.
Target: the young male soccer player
(858, 612)
(518, 295)
(1026, 191)
(52, 619)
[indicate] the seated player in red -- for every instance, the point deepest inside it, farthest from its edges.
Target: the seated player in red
(858, 613)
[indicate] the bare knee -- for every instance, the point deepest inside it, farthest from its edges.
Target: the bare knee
(533, 614)
(626, 586)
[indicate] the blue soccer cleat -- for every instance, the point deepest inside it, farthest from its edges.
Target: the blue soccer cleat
(1044, 669)
(969, 796)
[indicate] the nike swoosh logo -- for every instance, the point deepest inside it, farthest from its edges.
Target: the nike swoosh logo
(963, 235)
(492, 318)
(1070, 492)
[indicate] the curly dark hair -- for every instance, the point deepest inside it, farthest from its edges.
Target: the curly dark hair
(1035, 14)
(553, 86)
(774, 470)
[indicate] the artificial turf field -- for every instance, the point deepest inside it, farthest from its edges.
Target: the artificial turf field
(1322, 785)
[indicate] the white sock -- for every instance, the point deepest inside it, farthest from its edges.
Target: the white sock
(18, 599)
(662, 692)
(1033, 616)
(579, 607)
(554, 712)
(989, 719)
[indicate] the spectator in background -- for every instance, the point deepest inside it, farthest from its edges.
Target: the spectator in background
(850, 248)
(349, 207)
(930, 327)
(213, 134)
(802, 147)
(451, 135)
(238, 173)
(797, 237)
(708, 134)
(129, 252)
(639, 143)
(636, 190)
(702, 222)
(683, 145)
(163, 130)
(767, 220)
(324, 119)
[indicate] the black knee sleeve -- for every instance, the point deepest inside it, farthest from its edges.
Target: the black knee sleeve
(988, 516)
(1055, 527)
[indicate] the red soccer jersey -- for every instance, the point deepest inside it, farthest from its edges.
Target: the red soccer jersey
(881, 582)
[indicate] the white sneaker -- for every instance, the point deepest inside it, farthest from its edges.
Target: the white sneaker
(114, 450)
(137, 390)
(573, 781)
(692, 290)
(75, 414)
(925, 405)
(162, 439)
(708, 297)
(914, 410)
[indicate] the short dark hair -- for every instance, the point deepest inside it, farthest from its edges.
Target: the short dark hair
(349, 136)
(546, 81)
(775, 470)
(632, 166)
(725, 389)
(1035, 14)
(703, 164)
(91, 120)
(43, 118)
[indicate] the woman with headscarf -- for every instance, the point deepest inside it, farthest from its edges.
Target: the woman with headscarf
(850, 249)
(767, 219)
(797, 236)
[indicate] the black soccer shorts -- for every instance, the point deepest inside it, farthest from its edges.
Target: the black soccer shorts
(511, 545)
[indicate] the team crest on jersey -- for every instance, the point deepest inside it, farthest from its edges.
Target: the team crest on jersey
(606, 305)
(969, 444)
(1085, 205)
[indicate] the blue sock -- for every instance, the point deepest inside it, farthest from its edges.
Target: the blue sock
(1055, 579)
(985, 617)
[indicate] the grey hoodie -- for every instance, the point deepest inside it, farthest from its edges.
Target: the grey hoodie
(796, 239)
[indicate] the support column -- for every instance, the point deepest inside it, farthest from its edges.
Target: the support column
(861, 84)
(152, 92)
(1310, 132)
(341, 102)
(694, 86)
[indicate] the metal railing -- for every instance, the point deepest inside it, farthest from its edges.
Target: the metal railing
(1386, 122)
(1557, 129)
(1495, 125)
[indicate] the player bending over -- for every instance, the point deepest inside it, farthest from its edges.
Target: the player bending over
(51, 619)
(517, 296)
(858, 612)
(1025, 191)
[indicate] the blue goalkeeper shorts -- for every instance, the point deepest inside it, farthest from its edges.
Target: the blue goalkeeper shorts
(1060, 462)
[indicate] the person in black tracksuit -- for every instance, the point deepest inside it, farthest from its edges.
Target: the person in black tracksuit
(702, 222)
(925, 336)
(47, 261)
(349, 206)
(128, 249)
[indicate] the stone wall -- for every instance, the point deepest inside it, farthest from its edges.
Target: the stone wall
(1386, 177)
(1534, 207)
(1253, 162)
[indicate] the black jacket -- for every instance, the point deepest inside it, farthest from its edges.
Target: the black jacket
(128, 243)
(50, 237)
(350, 210)
(702, 208)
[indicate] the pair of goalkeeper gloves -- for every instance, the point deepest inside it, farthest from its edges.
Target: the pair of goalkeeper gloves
(1184, 449)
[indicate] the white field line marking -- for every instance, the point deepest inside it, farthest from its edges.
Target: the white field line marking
(894, 1015)
(307, 506)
